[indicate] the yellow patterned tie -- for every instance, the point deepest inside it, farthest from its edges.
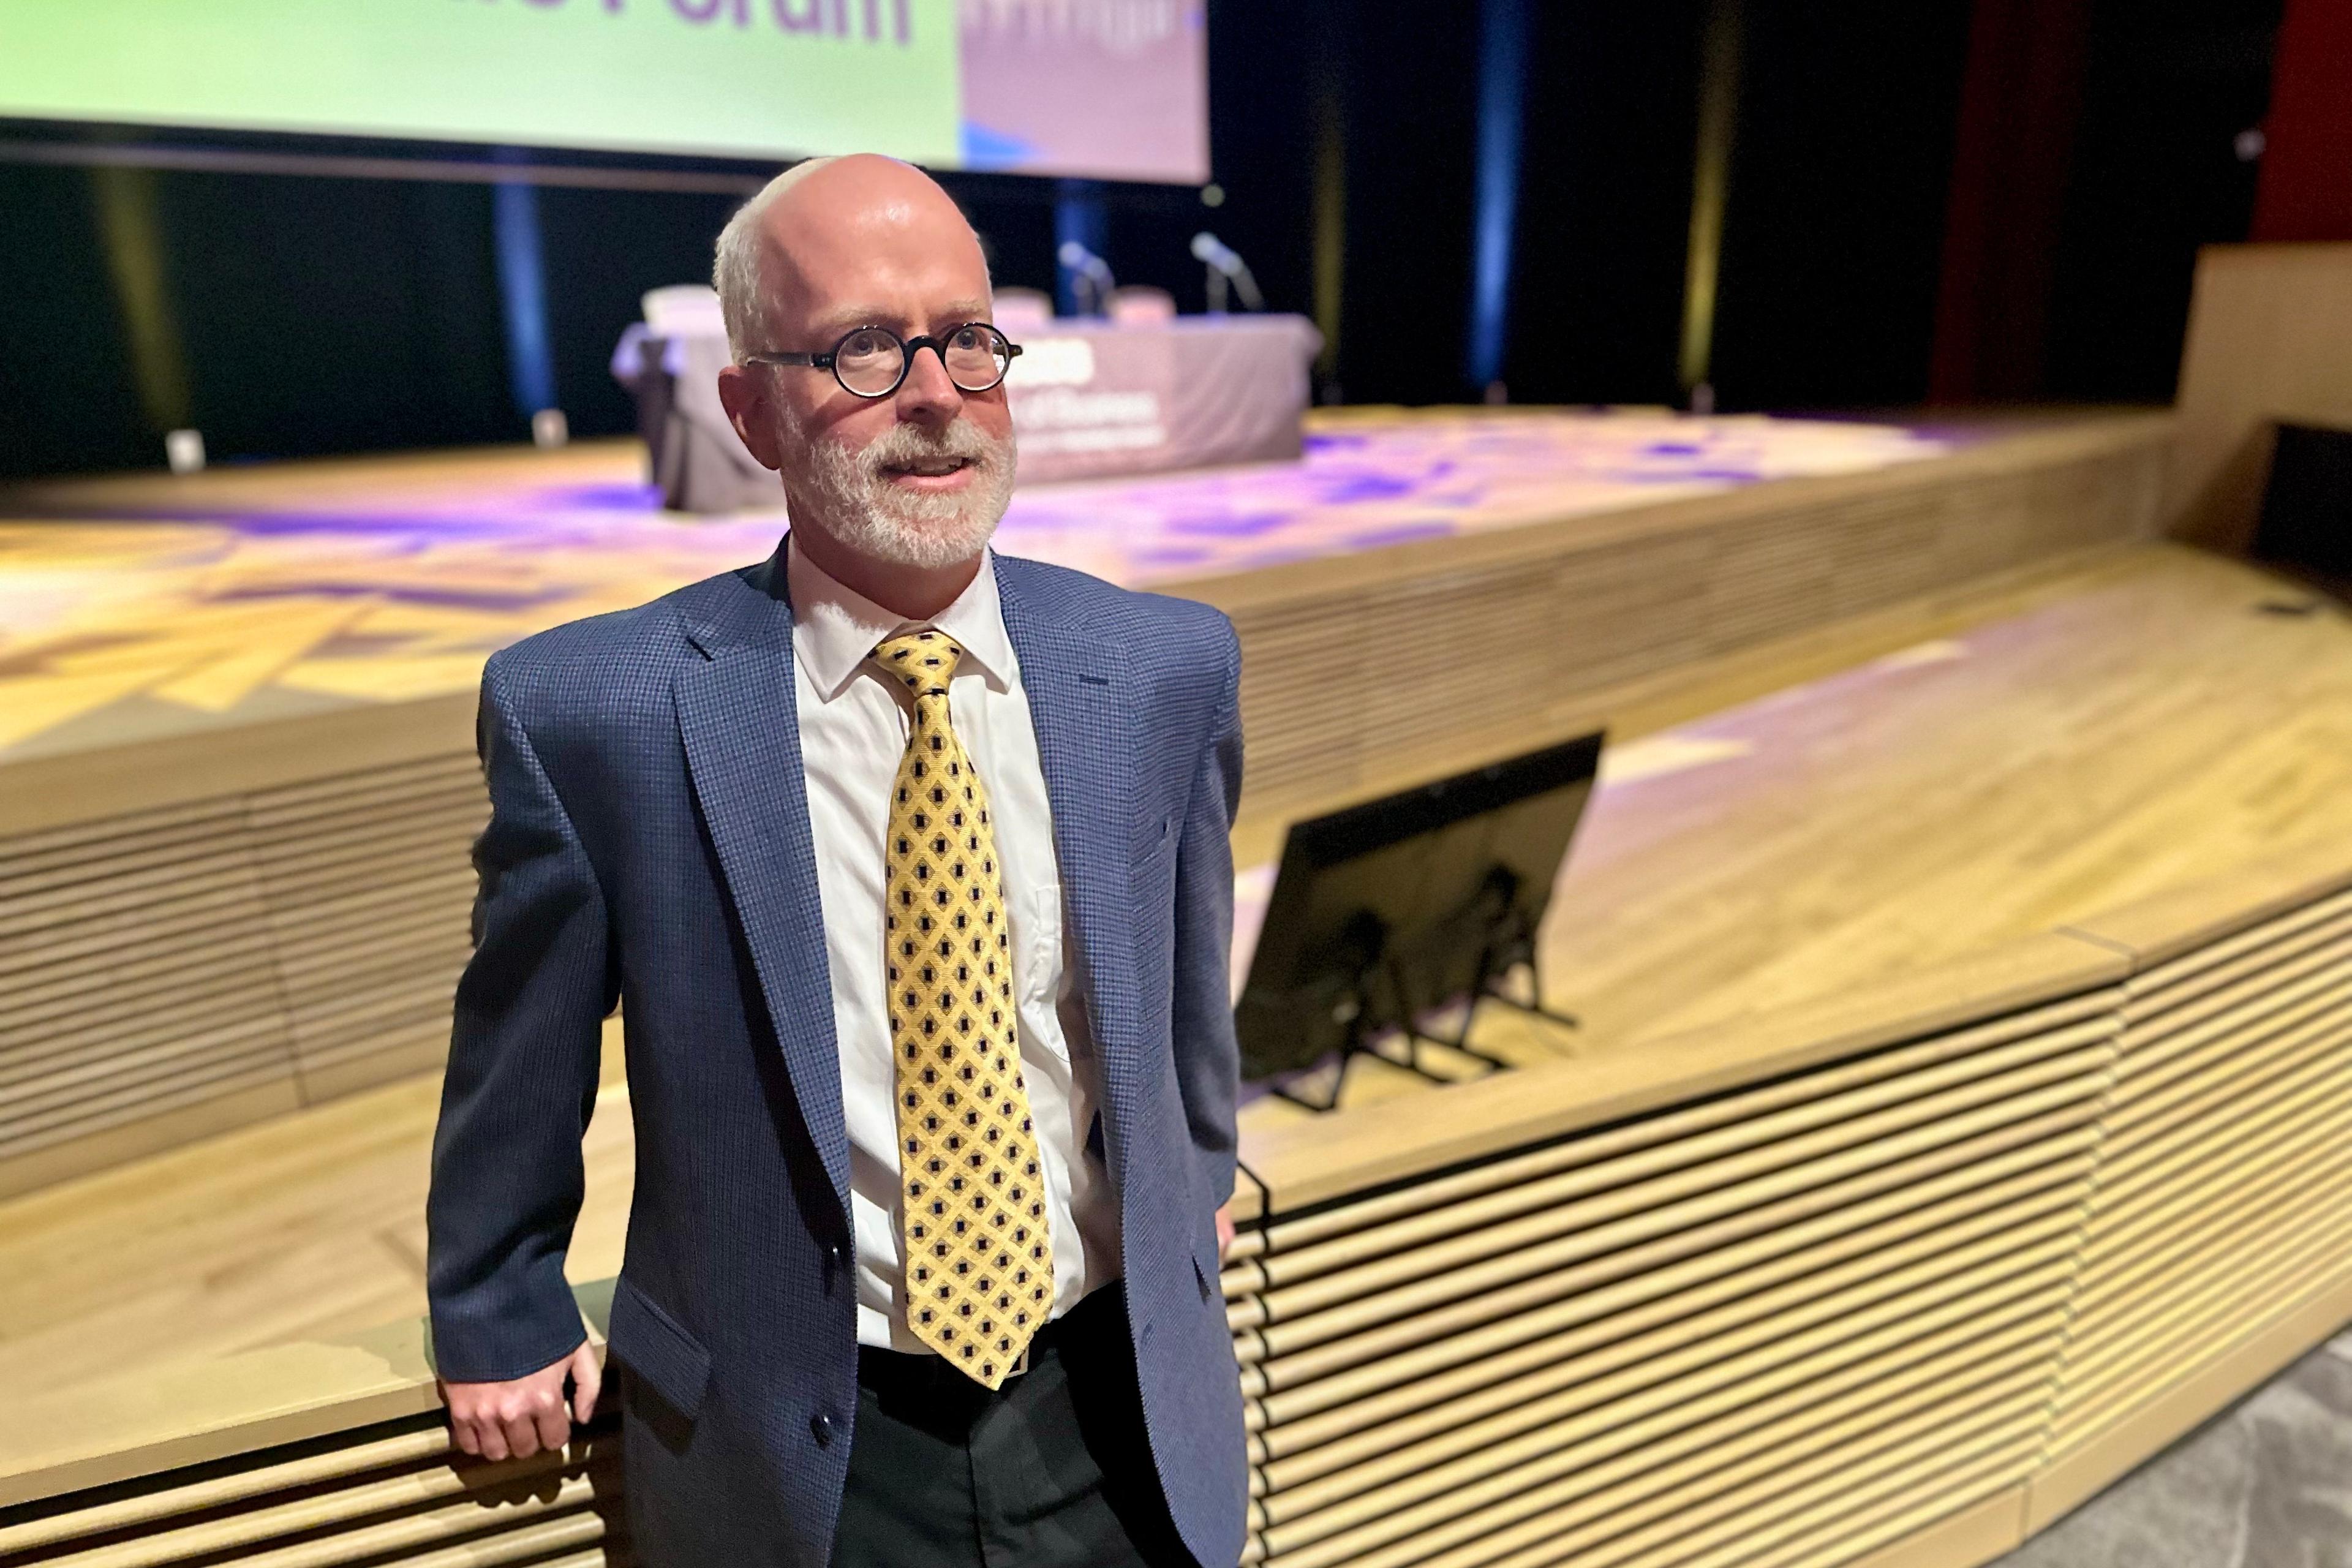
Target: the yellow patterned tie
(978, 1260)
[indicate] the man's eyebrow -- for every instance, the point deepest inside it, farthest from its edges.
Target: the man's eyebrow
(955, 312)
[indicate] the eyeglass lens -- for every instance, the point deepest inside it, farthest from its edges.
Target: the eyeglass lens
(870, 361)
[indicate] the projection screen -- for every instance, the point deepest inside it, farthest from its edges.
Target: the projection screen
(1109, 88)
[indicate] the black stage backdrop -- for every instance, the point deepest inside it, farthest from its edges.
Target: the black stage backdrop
(318, 315)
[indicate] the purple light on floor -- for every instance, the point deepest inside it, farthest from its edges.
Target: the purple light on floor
(1363, 487)
(400, 592)
(602, 497)
(1228, 525)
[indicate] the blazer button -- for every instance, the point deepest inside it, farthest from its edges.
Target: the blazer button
(821, 1428)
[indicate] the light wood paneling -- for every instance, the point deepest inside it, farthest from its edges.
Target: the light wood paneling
(2270, 338)
(1962, 775)
(1851, 1279)
(123, 1144)
(391, 1493)
(1676, 1345)
(2224, 1197)
(205, 916)
(1874, 1310)
(1963, 1539)
(1302, 1162)
(1595, 602)
(2244, 1362)
(1893, 1302)
(164, 775)
(2140, 722)
(162, 969)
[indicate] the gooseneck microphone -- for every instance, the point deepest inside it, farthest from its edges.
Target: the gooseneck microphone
(1090, 273)
(1225, 267)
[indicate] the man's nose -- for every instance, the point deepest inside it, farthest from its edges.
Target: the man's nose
(927, 393)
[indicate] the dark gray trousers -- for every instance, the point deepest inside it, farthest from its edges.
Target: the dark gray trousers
(1053, 1470)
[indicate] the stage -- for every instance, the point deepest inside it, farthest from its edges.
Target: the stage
(238, 708)
(1890, 1138)
(1947, 779)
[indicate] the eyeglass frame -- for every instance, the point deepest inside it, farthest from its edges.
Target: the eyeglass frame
(908, 348)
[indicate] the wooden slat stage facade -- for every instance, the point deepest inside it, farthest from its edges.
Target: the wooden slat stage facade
(1896, 1277)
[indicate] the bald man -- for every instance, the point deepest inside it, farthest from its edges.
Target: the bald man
(907, 864)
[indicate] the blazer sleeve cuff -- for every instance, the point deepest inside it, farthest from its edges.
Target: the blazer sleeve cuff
(469, 1350)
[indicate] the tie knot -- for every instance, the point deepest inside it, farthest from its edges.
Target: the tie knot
(921, 660)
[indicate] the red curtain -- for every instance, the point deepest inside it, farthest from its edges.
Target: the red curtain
(2306, 188)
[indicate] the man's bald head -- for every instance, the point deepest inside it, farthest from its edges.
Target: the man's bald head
(819, 219)
(912, 479)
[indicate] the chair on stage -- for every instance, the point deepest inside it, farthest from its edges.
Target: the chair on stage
(682, 311)
(1141, 305)
(1022, 311)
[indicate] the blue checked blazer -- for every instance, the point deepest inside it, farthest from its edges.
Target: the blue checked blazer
(649, 844)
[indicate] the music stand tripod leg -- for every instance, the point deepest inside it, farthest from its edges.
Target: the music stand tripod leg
(1534, 1007)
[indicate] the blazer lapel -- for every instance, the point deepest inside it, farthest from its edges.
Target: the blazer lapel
(1076, 679)
(737, 717)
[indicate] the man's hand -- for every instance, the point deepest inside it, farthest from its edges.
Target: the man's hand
(516, 1419)
(1224, 1228)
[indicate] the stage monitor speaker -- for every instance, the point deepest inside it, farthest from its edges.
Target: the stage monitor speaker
(2306, 520)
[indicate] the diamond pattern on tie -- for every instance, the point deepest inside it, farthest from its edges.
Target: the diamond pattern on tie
(979, 1261)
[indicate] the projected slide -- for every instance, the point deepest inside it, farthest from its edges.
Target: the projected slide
(1115, 88)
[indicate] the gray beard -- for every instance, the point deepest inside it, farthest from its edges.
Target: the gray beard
(867, 512)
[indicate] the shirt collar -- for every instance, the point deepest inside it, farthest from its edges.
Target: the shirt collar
(835, 627)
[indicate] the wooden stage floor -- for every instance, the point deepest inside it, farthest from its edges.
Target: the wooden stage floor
(2001, 763)
(141, 608)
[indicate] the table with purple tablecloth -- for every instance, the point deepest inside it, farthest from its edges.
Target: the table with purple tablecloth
(1089, 400)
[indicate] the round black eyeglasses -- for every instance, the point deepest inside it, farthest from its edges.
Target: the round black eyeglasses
(872, 361)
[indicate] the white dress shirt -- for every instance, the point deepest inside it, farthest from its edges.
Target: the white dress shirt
(854, 722)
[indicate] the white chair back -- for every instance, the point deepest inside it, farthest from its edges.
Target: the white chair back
(1022, 311)
(683, 310)
(1139, 304)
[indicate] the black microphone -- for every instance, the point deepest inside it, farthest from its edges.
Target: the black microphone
(1090, 270)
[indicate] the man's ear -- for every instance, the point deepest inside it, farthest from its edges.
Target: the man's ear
(742, 391)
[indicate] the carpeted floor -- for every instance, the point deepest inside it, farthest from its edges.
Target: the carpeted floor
(2266, 1484)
